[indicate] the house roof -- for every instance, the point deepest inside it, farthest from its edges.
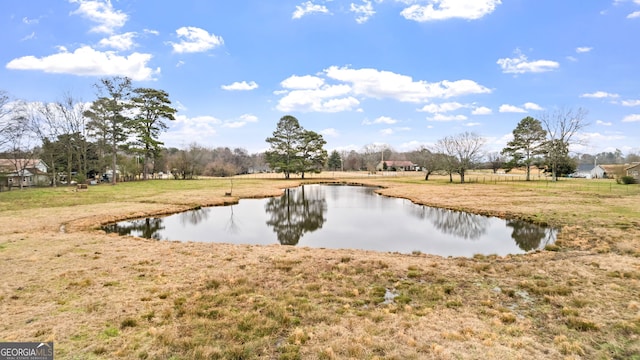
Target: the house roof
(632, 166)
(399, 163)
(23, 163)
(612, 168)
(584, 168)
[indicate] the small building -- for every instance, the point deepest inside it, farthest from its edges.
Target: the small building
(633, 170)
(396, 165)
(598, 172)
(24, 172)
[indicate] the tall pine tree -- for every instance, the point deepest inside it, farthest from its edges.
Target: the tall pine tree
(528, 140)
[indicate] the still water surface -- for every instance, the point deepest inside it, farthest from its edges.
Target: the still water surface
(337, 216)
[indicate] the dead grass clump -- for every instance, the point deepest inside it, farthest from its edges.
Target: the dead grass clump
(568, 347)
(580, 324)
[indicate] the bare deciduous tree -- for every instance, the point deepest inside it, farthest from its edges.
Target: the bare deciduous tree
(562, 126)
(465, 148)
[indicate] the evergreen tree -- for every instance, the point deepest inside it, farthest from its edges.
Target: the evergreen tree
(294, 149)
(283, 157)
(151, 107)
(312, 155)
(108, 118)
(335, 161)
(528, 141)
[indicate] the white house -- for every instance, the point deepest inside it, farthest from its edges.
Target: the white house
(24, 172)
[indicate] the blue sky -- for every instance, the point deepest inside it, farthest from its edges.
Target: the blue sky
(399, 72)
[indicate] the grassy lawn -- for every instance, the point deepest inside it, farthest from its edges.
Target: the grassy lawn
(100, 296)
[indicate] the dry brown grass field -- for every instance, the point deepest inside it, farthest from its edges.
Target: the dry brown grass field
(102, 296)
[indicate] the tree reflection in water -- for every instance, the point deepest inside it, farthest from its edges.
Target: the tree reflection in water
(295, 213)
(529, 236)
(149, 228)
(462, 224)
(194, 217)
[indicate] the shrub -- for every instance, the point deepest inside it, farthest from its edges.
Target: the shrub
(626, 180)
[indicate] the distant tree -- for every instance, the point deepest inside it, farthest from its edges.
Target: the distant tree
(98, 131)
(19, 146)
(353, 161)
(426, 159)
(447, 163)
(528, 141)
(495, 161)
(312, 156)
(562, 126)
(631, 158)
(374, 154)
(151, 107)
(108, 115)
(335, 161)
(283, 154)
(294, 149)
(61, 127)
(465, 148)
(5, 114)
(187, 164)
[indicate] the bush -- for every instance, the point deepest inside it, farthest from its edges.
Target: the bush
(626, 180)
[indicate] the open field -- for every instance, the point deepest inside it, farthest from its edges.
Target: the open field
(100, 296)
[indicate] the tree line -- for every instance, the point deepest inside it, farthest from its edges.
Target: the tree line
(118, 134)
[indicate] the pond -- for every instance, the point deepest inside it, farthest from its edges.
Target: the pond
(345, 217)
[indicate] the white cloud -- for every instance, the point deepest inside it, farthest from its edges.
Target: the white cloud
(482, 110)
(152, 32)
(102, 13)
(631, 118)
(86, 61)
(234, 124)
(332, 98)
(119, 42)
(302, 82)
(442, 108)
(387, 132)
(472, 124)
(633, 15)
(381, 120)
(363, 12)
(240, 86)
(506, 108)
(308, 8)
(195, 40)
(186, 130)
(311, 93)
(630, 102)
(441, 117)
(29, 37)
(449, 9)
(583, 49)
(242, 121)
(385, 84)
(330, 132)
(521, 65)
(249, 118)
(572, 58)
(599, 95)
(28, 21)
(603, 123)
(533, 106)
